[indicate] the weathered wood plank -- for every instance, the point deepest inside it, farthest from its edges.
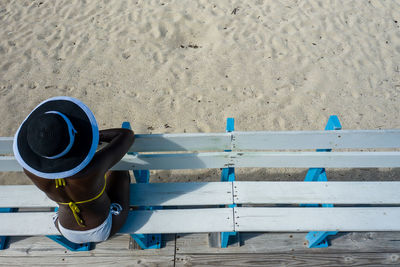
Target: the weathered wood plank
(292, 242)
(85, 260)
(216, 193)
(173, 161)
(9, 164)
(181, 142)
(41, 246)
(316, 139)
(138, 222)
(152, 194)
(314, 159)
(161, 142)
(245, 159)
(6, 145)
(263, 140)
(321, 192)
(181, 194)
(10, 197)
(289, 259)
(316, 219)
(179, 221)
(261, 159)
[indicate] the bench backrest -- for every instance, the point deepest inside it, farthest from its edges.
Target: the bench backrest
(248, 149)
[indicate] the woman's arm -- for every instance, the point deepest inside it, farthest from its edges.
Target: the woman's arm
(119, 141)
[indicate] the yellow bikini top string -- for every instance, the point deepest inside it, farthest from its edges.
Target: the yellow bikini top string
(60, 182)
(72, 205)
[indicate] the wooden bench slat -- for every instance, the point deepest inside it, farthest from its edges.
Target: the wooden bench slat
(6, 145)
(138, 222)
(262, 140)
(180, 221)
(317, 192)
(316, 159)
(220, 220)
(161, 142)
(152, 194)
(261, 160)
(181, 142)
(173, 161)
(24, 196)
(245, 159)
(27, 223)
(216, 193)
(316, 139)
(181, 194)
(316, 219)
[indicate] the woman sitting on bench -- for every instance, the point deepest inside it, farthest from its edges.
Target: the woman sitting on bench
(56, 145)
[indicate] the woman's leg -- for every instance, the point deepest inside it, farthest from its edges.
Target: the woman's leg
(118, 183)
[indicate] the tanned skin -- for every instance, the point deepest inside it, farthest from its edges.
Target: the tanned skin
(89, 182)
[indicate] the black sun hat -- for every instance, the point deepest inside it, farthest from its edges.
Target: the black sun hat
(58, 139)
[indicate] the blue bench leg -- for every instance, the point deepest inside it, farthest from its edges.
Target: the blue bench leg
(318, 239)
(228, 175)
(225, 238)
(70, 245)
(148, 241)
(3, 242)
(4, 239)
(145, 241)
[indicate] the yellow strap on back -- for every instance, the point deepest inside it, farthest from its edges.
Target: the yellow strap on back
(75, 211)
(60, 182)
(74, 208)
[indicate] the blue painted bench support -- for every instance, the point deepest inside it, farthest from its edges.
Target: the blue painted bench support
(4, 239)
(145, 241)
(228, 175)
(69, 245)
(318, 239)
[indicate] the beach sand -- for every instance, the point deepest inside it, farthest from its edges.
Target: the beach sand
(185, 66)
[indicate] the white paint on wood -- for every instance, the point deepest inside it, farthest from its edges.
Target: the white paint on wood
(23, 196)
(316, 139)
(6, 145)
(181, 194)
(179, 221)
(173, 161)
(217, 193)
(261, 160)
(27, 223)
(317, 192)
(139, 222)
(221, 220)
(263, 140)
(152, 194)
(316, 219)
(9, 164)
(181, 142)
(245, 159)
(315, 159)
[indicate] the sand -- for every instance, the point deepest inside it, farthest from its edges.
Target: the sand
(185, 66)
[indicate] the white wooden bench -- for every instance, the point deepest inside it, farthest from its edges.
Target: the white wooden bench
(237, 206)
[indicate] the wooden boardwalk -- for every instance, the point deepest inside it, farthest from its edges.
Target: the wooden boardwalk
(267, 249)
